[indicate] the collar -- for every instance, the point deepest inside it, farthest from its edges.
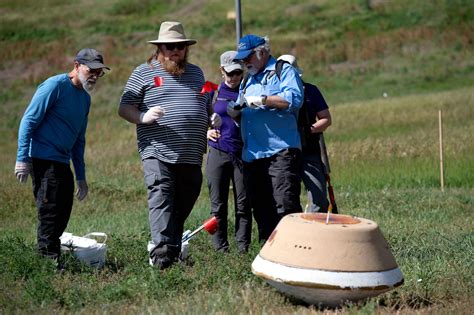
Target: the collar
(269, 67)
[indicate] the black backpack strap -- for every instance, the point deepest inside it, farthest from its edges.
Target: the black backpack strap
(279, 67)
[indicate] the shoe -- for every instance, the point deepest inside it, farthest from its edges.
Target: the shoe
(243, 250)
(162, 257)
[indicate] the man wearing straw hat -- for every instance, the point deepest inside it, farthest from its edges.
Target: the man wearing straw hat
(164, 98)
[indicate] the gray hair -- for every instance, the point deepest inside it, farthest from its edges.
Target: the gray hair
(265, 46)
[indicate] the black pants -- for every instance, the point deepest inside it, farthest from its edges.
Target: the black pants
(273, 185)
(221, 169)
(53, 188)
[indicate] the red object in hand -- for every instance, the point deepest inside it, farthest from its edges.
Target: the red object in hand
(158, 81)
(210, 225)
(208, 87)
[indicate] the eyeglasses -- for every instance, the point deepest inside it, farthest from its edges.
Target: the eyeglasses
(94, 72)
(234, 73)
(172, 46)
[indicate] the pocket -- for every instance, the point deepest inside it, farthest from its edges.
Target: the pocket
(47, 192)
(151, 179)
(151, 171)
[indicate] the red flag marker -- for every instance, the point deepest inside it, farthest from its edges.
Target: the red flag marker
(208, 87)
(158, 81)
(210, 225)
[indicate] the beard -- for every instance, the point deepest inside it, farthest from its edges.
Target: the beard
(252, 70)
(88, 86)
(173, 67)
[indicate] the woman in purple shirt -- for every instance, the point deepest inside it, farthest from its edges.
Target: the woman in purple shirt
(224, 162)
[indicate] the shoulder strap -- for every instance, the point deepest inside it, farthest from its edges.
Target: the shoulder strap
(214, 97)
(279, 67)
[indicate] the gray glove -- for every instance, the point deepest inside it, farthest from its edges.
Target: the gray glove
(82, 189)
(233, 109)
(22, 170)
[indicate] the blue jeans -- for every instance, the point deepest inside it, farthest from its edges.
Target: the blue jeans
(172, 191)
(53, 188)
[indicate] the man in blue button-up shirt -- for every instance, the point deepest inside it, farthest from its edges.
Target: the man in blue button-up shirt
(272, 145)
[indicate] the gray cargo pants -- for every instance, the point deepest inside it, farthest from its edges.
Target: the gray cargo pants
(172, 191)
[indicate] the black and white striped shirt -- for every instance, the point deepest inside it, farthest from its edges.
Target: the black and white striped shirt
(180, 135)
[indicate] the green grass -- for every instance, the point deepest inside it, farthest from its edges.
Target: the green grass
(430, 232)
(384, 151)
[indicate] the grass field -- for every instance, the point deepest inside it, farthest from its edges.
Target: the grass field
(384, 150)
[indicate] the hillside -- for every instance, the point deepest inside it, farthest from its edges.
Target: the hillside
(353, 50)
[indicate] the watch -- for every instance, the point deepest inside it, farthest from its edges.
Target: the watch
(264, 99)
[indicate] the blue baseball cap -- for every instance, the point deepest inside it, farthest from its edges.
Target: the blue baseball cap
(247, 44)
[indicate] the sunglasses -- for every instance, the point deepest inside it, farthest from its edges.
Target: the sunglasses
(172, 46)
(234, 73)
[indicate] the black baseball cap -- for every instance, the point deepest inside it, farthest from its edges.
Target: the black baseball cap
(91, 58)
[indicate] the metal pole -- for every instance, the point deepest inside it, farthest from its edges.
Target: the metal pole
(238, 24)
(441, 168)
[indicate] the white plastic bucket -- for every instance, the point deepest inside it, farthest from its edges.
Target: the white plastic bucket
(86, 248)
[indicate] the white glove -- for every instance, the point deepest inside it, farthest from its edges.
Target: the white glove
(22, 170)
(152, 115)
(82, 189)
(213, 134)
(234, 113)
(216, 120)
(254, 101)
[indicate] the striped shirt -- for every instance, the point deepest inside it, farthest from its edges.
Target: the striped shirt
(180, 135)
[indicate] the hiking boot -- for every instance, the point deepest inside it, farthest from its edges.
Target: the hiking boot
(163, 257)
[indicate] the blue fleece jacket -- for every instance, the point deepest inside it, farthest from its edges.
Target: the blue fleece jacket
(54, 124)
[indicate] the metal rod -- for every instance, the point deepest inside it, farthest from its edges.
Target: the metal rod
(238, 21)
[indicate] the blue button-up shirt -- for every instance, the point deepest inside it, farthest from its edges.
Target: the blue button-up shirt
(265, 131)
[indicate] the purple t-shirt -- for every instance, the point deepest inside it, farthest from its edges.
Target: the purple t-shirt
(230, 140)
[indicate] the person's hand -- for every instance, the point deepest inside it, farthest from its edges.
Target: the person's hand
(216, 120)
(233, 109)
(213, 134)
(82, 189)
(22, 170)
(254, 101)
(152, 115)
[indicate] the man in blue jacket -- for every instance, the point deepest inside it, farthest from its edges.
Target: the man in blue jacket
(272, 144)
(52, 132)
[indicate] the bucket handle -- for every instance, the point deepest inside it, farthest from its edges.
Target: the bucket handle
(94, 235)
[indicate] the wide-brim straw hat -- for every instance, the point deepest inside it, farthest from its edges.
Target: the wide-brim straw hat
(172, 32)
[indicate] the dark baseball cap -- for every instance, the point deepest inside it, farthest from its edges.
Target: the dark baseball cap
(247, 44)
(91, 58)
